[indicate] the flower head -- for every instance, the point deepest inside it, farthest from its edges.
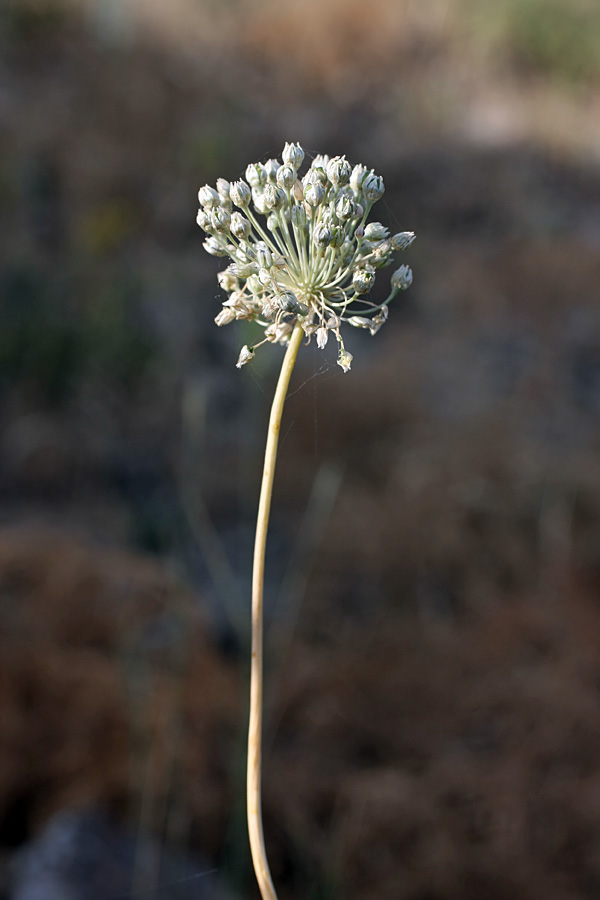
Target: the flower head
(312, 259)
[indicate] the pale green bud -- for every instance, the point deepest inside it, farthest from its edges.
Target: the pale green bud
(214, 247)
(345, 208)
(240, 194)
(372, 187)
(402, 278)
(320, 162)
(286, 177)
(322, 235)
(314, 194)
(208, 197)
(402, 240)
(274, 197)
(338, 237)
(258, 198)
(293, 155)
(357, 177)
(203, 220)
(223, 188)
(289, 303)
(299, 216)
(363, 279)
(271, 168)
(220, 219)
(263, 255)
(253, 284)
(273, 222)
(246, 354)
(375, 231)
(240, 226)
(339, 170)
(256, 175)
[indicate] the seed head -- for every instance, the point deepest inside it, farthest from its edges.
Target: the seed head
(314, 261)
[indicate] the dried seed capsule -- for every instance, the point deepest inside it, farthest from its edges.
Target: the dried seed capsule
(226, 316)
(246, 354)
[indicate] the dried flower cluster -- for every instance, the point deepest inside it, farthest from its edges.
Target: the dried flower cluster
(313, 259)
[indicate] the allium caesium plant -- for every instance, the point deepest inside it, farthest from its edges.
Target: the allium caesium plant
(303, 262)
(313, 258)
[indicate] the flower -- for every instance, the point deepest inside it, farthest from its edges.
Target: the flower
(312, 260)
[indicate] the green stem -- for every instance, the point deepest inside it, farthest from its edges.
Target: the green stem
(253, 787)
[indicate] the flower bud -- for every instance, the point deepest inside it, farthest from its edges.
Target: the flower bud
(322, 235)
(286, 176)
(273, 222)
(263, 255)
(375, 231)
(240, 226)
(226, 316)
(256, 175)
(372, 187)
(203, 220)
(345, 208)
(363, 279)
(401, 278)
(246, 354)
(240, 194)
(271, 168)
(223, 188)
(402, 240)
(338, 237)
(208, 197)
(314, 194)
(289, 303)
(293, 155)
(253, 284)
(357, 177)
(220, 219)
(214, 247)
(344, 359)
(258, 198)
(298, 191)
(299, 216)
(339, 171)
(320, 162)
(274, 197)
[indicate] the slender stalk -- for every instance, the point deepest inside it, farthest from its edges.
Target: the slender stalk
(253, 789)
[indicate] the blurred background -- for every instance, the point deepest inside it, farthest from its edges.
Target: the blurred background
(433, 596)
